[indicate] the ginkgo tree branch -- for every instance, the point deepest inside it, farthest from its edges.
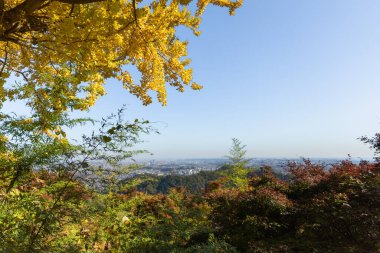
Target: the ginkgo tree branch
(2, 5)
(4, 62)
(11, 18)
(28, 7)
(79, 1)
(76, 49)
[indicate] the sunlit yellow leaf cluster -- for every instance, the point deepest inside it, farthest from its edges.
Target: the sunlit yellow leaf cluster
(57, 56)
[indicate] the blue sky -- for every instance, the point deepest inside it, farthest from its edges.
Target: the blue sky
(289, 78)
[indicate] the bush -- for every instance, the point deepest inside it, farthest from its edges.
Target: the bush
(316, 210)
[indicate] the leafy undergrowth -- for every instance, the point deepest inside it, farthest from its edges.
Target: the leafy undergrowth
(315, 210)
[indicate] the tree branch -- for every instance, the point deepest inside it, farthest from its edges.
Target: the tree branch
(2, 4)
(28, 6)
(12, 20)
(135, 12)
(79, 1)
(5, 60)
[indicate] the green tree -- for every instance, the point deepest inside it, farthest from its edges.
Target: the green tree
(237, 153)
(45, 183)
(237, 172)
(374, 143)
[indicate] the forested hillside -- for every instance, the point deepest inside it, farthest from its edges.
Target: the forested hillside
(152, 184)
(315, 210)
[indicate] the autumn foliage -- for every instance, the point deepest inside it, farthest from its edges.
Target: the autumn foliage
(316, 209)
(57, 55)
(59, 201)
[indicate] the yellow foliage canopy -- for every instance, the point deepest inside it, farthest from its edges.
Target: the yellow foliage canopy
(64, 50)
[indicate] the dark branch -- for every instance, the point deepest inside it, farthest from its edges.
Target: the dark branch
(72, 10)
(135, 11)
(13, 19)
(28, 6)
(79, 1)
(2, 4)
(5, 60)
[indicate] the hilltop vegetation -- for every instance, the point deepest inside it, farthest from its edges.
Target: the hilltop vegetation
(53, 200)
(314, 211)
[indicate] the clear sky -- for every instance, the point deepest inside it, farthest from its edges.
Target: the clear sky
(289, 78)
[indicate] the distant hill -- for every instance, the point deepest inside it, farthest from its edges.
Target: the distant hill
(193, 183)
(153, 184)
(194, 175)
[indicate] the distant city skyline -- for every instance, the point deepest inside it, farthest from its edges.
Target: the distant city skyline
(192, 166)
(288, 78)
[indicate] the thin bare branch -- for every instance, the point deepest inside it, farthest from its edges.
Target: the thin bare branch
(72, 10)
(5, 60)
(135, 12)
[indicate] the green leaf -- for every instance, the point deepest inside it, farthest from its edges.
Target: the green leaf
(106, 139)
(111, 130)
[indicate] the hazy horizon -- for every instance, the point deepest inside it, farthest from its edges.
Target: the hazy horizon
(141, 158)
